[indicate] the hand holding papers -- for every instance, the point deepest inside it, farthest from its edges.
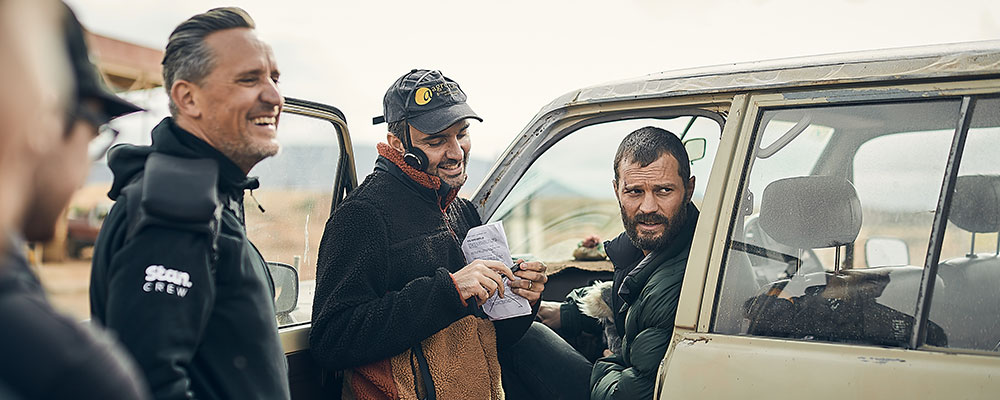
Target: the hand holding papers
(489, 242)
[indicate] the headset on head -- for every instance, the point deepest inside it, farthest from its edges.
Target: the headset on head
(413, 157)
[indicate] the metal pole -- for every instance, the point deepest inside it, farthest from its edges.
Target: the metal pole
(926, 291)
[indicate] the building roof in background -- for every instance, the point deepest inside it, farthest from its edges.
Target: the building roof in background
(126, 66)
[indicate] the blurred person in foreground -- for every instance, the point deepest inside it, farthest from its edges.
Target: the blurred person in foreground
(174, 274)
(53, 107)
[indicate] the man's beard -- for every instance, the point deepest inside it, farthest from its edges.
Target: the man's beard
(460, 180)
(672, 226)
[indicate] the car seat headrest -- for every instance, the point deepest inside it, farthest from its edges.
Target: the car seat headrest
(809, 212)
(975, 207)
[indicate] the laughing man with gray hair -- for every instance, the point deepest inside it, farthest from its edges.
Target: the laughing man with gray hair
(174, 274)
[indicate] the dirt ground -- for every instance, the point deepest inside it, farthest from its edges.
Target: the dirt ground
(68, 285)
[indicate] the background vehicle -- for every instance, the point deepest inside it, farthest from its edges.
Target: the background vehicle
(847, 244)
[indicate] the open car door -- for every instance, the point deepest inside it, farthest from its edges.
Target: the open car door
(285, 218)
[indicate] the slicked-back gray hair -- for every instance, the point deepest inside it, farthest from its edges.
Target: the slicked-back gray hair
(645, 145)
(187, 57)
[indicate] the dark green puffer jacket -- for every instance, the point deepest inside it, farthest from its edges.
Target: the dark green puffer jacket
(650, 292)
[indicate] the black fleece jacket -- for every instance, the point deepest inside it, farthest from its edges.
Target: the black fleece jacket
(383, 280)
(198, 327)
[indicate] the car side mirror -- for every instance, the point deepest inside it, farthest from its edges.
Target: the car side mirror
(880, 251)
(695, 148)
(286, 287)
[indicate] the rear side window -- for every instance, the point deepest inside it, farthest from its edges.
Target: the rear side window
(966, 297)
(831, 230)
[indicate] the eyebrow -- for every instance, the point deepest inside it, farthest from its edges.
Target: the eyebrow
(442, 134)
(433, 137)
(258, 72)
(655, 187)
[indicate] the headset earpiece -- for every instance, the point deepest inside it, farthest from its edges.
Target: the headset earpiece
(413, 157)
(416, 159)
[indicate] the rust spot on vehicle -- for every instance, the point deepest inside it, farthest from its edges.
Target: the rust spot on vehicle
(880, 360)
(691, 341)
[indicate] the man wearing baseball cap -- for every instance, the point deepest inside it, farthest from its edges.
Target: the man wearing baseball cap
(47, 355)
(396, 303)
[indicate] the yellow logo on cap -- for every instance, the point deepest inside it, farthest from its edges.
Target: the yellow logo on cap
(423, 96)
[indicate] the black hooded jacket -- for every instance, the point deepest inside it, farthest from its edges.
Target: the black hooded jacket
(194, 308)
(383, 274)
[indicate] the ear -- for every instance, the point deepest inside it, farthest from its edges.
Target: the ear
(394, 142)
(184, 95)
(689, 188)
(614, 185)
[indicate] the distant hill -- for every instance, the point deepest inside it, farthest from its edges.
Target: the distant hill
(301, 166)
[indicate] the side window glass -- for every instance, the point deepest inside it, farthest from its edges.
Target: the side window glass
(285, 217)
(566, 195)
(967, 289)
(823, 184)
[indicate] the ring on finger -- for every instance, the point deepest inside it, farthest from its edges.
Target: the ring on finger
(529, 285)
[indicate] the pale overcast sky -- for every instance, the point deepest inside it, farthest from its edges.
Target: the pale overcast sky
(513, 57)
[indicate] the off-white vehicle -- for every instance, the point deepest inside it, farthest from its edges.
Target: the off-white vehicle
(847, 245)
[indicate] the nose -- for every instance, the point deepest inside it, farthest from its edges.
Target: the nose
(454, 150)
(648, 204)
(271, 94)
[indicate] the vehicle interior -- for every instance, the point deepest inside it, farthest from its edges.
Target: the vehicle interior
(835, 222)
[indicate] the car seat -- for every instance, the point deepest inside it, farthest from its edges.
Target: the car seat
(969, 308)
(812, 212)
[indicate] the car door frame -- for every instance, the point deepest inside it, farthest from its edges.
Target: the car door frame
(307, 380)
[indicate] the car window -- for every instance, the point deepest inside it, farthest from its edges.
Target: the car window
(285, 217)
(567, 195)
(797, 266)
(966, 296)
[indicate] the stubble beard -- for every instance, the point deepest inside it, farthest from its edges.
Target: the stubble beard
(457, 182)
(246, 154)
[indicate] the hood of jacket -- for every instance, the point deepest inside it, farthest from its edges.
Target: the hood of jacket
(126, 160)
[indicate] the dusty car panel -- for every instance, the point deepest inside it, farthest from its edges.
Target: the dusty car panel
(718, 366)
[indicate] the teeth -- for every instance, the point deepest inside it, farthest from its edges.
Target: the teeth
(264, 120)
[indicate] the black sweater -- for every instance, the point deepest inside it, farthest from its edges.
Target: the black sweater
(211, 332)
(383, 279)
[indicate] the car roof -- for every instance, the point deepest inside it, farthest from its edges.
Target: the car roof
(910, 63)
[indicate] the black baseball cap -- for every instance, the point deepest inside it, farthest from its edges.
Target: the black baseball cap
(89, 83)
(427, 100)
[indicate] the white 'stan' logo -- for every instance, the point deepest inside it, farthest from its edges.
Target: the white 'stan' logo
(423, 96)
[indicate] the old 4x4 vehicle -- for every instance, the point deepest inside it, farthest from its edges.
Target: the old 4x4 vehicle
(847, 245)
